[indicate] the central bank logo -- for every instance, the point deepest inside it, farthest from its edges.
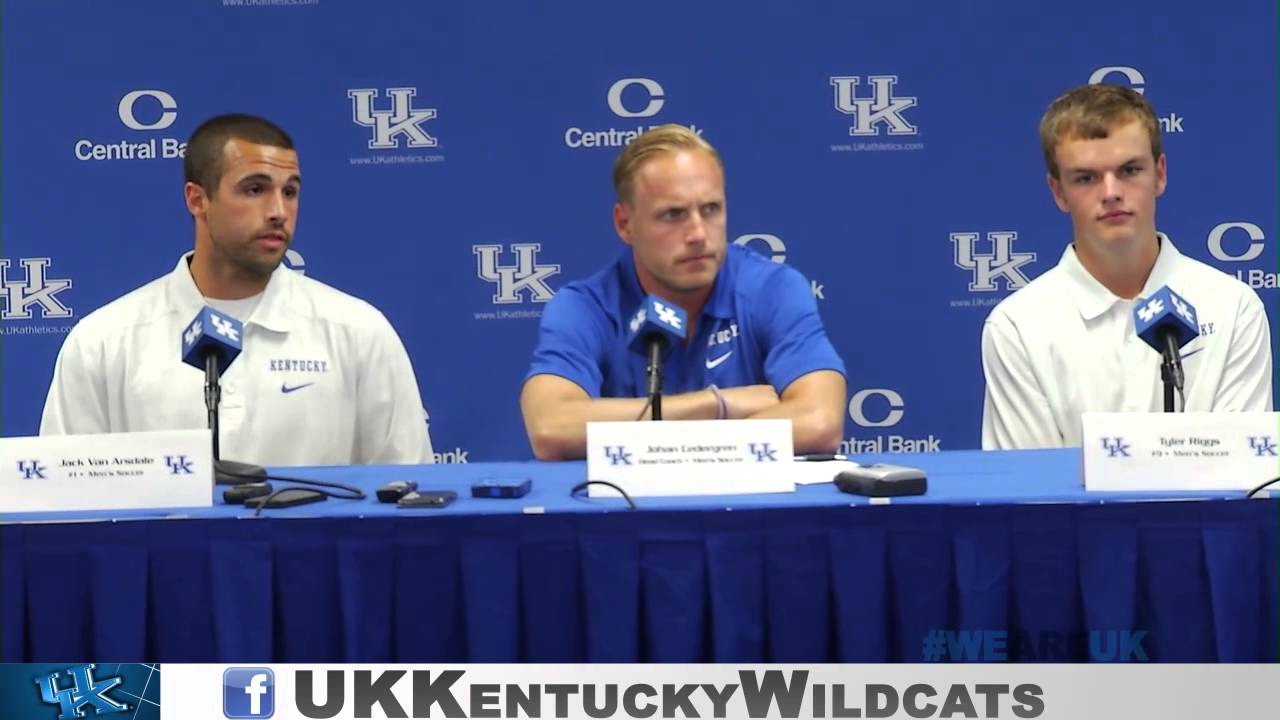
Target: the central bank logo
(141, 111)
(772, 247)
(34, 288)
(879, 108)
(647, 107)
(887, 409)
(85, 693)
(630, 98)
(1133, 78)
(248, 692)
(1242, 242)
(400, 121)
(128, 110)
(1001, 262)
(527, 275)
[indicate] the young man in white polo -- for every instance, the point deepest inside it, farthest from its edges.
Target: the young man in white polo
(323, 378)
(1065, 344)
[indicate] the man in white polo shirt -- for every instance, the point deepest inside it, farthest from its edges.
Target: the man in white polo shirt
(323, 378)
(1065, 343)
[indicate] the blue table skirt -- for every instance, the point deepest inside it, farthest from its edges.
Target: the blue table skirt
(812, 577)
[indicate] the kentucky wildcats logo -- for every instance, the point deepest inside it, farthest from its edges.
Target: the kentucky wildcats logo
(31, 470)
(667, 316)
(1183, 309)
(1002, 262)
(617, 455)
(37, 288)
(224, 327)
(881, 108)
(763, 452)
(1262, 445)
(389, 125)
(178, 465)
(1153, 308)
(512, 280)
(85, 692)
(1115, 447)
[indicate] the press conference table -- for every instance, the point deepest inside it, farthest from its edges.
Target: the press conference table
(1004, 541)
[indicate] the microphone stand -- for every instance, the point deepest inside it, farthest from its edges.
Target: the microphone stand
(654, 372)
(1170, 370)
(225, 472)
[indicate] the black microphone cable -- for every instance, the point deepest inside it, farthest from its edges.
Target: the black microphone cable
(583, 486)
(1262, 487)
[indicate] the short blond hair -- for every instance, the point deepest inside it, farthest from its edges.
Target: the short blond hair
(1091, 112)
(664, 139)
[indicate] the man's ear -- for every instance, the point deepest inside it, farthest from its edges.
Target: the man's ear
(197, 199)
(1055, 187)
(622, 221)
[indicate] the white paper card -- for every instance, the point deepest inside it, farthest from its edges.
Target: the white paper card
(1180, 451)
(690, 457)
(118, 471)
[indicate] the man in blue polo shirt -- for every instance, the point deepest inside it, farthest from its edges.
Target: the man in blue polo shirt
(756, 347)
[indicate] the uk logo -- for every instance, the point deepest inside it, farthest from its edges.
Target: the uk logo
(401, 120)
(248, 692)
(668, 316)
(1184, 310)
(1262, 446)
(763, 452)
(1001, 262)
(525, 276)
(178, 465)
(193, 332)
(881, 108)
(1153, 308)
(224, 327)
(85, 692)
(1115, 447)
(32, 470)
(617, 455)
(17, 295)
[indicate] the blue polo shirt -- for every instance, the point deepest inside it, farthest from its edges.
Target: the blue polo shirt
(760, 326)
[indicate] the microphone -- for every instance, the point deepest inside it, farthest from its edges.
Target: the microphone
(656, 324)
(210, 342)
(1166, 322)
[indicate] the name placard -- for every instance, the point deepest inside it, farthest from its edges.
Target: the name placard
(690, 457)
(1180, 451)
(117, 471)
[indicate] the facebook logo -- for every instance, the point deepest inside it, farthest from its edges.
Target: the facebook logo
(248, 692)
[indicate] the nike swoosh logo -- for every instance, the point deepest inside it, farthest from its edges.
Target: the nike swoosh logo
(286, 389)
(1189, 354)
(716, 363)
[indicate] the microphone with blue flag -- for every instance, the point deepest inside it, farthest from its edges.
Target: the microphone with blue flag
(210, 342)
(656, 325)
(1166, 322)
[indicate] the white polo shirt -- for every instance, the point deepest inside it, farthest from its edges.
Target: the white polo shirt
(1064, 345)
(323, 378)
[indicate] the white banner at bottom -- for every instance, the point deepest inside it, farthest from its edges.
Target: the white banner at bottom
(323, 691)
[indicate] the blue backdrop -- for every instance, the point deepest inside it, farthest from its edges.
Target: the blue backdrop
(457, 159)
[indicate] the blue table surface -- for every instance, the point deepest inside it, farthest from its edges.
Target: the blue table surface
(963, 477)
